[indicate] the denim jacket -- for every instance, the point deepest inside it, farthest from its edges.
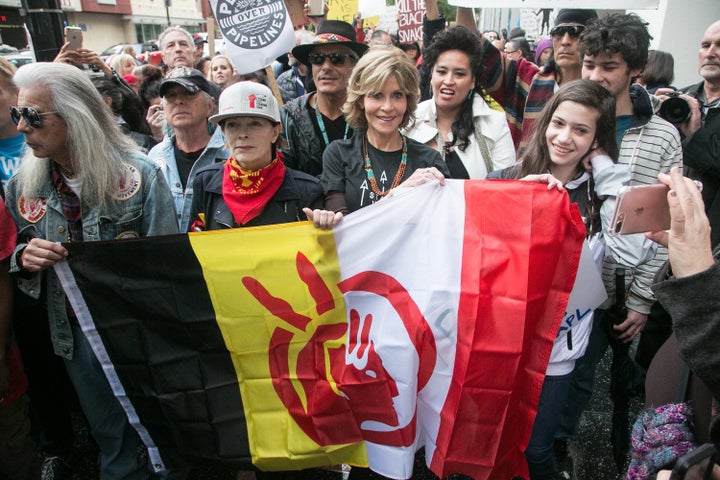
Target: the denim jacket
(163, 155)
(143, 212)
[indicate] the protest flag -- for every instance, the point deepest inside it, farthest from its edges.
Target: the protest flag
(424, 320)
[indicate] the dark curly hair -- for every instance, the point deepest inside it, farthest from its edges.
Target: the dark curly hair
(463, 40)
(625, 34)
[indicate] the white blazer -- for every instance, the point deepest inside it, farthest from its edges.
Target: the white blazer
(493, 125)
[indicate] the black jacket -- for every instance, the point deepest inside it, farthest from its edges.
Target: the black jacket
(298, 190)
(701, 157)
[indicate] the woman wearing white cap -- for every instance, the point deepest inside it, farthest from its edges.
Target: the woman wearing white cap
(253, 187)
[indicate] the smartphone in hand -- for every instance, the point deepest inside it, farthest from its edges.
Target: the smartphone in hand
(695, 465)
(316, 8)
(74, 36)
(642, 208)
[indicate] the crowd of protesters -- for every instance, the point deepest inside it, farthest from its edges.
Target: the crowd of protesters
(100, 151)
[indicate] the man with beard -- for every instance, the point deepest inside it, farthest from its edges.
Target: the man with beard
(314, 120)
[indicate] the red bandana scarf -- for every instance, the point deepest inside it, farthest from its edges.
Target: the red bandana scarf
(246, 192)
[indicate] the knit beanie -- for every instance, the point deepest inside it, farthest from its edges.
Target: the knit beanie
(575, 15)
(542, 45)
(659, 438)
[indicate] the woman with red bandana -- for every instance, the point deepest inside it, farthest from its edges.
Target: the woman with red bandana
(253, 187)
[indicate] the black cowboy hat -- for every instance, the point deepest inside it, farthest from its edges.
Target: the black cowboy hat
(331, 31)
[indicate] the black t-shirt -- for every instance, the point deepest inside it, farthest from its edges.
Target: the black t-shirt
(185, 162)
(455, 165)
(344, 168)
(335, 129)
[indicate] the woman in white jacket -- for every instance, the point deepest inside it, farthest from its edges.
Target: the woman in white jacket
(473, 138)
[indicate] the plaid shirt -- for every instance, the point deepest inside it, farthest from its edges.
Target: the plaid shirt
(71, 210)
(508, 82)
(70, 206)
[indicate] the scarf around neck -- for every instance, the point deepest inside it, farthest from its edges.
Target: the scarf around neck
(246, 192)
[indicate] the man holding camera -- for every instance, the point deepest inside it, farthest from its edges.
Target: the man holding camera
(700, 127)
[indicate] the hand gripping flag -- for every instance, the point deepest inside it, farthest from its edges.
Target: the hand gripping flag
(425, 320)
(255, 31)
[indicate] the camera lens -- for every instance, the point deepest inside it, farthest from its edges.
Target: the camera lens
(675, 110)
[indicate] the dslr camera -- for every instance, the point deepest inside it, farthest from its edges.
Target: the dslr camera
(675, 109)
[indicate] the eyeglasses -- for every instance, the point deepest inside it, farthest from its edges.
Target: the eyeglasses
(32, 117)
(573, 30)
(335, 58)
(508, 52)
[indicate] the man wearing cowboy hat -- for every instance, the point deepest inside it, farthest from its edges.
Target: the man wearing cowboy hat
(314, 120)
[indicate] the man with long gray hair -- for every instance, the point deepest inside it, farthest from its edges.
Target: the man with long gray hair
(81, 179)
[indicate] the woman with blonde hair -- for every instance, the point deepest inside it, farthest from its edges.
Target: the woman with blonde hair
(382, 95)
(123, 64)
(221, 70)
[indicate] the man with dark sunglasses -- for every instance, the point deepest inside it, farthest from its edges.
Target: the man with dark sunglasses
(523, 88)
(314, 120)
(81, 179)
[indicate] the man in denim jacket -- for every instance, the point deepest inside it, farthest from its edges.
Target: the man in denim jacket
(80, 180)
(194, 143)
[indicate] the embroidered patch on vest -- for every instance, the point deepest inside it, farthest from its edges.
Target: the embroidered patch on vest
(127, 234)
(32, 210)
(130, 183)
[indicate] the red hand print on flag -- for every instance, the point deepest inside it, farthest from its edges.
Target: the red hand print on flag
(341, 398)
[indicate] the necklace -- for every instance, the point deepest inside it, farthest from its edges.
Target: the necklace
(321, 124)
(65, 171)
(371, 175)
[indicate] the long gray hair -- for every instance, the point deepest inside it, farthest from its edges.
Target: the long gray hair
(96, 145)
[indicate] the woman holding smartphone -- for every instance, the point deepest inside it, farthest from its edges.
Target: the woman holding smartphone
(576, 131)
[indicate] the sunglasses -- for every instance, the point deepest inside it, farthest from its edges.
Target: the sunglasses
(573, 30)
(335, 58)
(32, 117)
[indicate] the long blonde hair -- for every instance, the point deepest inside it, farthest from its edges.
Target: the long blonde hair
(221, 57)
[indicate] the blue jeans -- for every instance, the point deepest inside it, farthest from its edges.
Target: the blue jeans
(116, 438)
(539, 452)
(583, 380)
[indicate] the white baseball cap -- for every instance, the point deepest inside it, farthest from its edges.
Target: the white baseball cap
(247, 99)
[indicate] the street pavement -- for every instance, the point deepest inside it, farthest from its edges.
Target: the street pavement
(590, 449)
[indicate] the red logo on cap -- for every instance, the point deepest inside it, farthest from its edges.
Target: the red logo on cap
(252, 100)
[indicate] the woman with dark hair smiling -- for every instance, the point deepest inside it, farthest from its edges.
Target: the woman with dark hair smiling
(575, 132)
(473, 138)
